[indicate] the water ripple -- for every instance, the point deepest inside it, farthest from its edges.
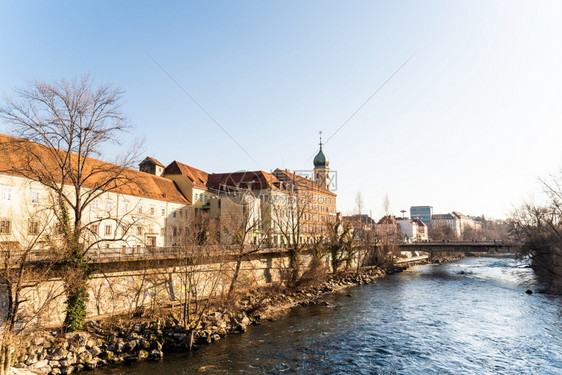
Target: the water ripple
(466, 317)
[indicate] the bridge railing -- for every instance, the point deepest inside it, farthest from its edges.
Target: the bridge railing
(123, 254)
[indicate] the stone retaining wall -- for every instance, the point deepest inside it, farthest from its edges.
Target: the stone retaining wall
(125, 290)
(149, 338)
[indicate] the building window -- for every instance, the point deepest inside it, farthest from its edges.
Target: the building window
(109, 205)
(162, 231)
(163, 212)
(95, 228)
(33, 227)
(139, 230)
(140, 209)
(126, 206)
(6, 193)
(151, 211)
(108, 229)
(34, 196)
(174, 214)
(5, 226)
(96, 204)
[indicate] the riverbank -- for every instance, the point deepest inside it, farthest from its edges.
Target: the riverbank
(466, 316)
(436, 258)
(444, 257)
(126, 340)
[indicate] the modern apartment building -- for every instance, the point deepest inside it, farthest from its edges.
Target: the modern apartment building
(424, 213)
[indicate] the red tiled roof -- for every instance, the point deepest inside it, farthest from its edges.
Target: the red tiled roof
(387, 219)
(363, 218)
(255, 180)
(300, 181)
(16, 153)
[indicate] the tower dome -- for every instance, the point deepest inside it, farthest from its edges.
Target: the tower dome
(321, 160)
(321, 169)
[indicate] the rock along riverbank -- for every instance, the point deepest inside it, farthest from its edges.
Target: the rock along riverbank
(125, 341)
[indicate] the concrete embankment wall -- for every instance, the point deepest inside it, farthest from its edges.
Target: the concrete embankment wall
(125, 287)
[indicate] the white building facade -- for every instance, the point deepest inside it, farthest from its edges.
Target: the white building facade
(412, 229)
(127, 218)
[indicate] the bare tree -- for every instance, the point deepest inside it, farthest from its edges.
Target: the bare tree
(490, 229)
(319, 250)
(387, 238)
(386, 205)
(287, 218)
(441, 232)
(470, 234)
(538, 229)
(342, 249)
(74, 121)
(201, 269)
(23, 268)
(359, 202)
(241, 229)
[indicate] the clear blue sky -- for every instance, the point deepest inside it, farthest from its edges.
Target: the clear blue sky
(469, 124)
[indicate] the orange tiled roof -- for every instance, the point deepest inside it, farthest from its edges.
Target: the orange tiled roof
(197, 177)
(16, 154)
(154, 161)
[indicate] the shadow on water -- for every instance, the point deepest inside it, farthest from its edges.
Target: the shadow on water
(471, 316)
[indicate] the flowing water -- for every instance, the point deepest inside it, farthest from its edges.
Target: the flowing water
(466, 317)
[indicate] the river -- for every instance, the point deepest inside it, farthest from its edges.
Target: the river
(471, 316)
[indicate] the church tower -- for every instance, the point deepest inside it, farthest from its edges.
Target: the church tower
(321, 168)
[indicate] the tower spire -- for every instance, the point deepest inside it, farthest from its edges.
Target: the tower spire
(321, 166)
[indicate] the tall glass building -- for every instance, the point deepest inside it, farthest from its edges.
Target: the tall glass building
(423, 213)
